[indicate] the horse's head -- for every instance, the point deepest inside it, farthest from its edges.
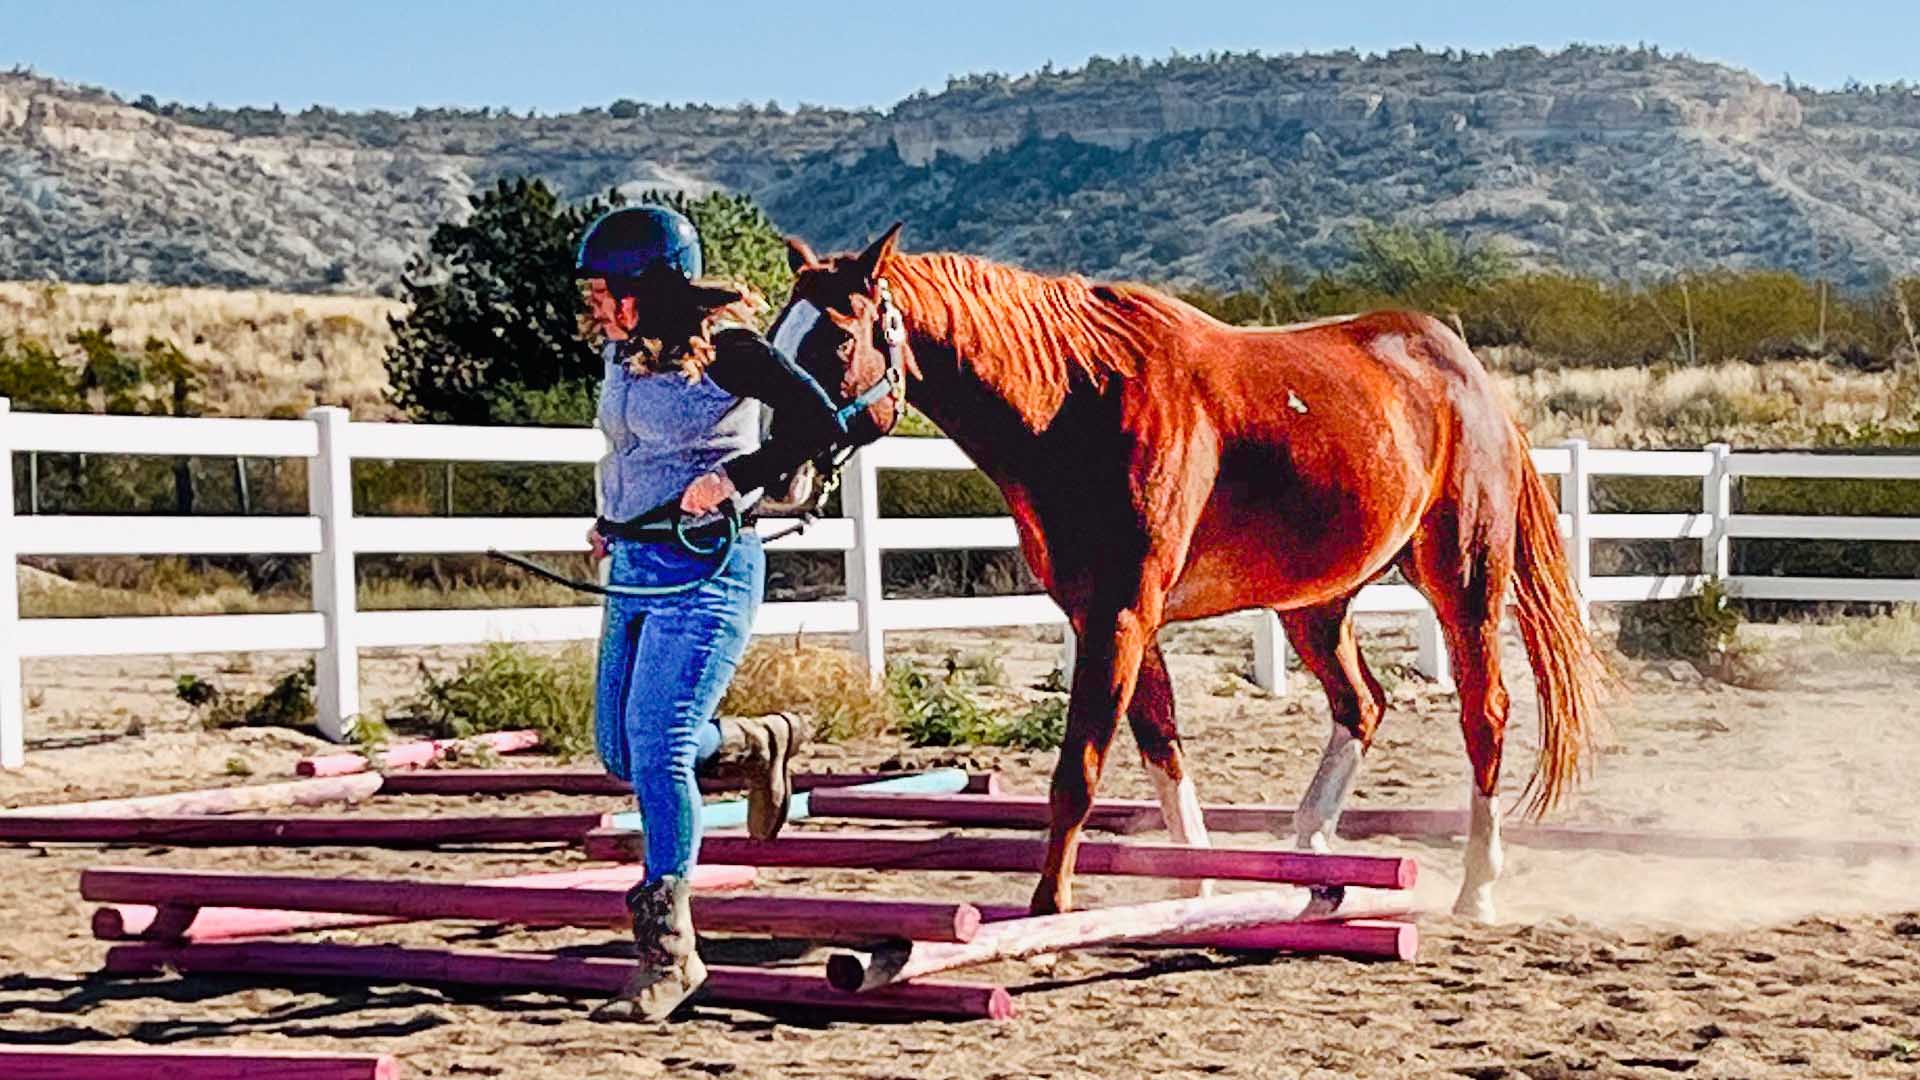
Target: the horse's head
(842, 326)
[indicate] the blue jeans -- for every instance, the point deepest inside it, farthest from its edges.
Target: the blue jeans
(665, 663)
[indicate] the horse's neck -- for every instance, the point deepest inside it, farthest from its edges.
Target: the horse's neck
(967, 408)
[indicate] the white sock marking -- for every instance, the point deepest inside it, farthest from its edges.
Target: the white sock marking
(1484, 860)
(1319, 815)
(1186, 822)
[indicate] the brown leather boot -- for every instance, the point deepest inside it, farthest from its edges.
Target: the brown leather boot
(670, 967)
(759, 751)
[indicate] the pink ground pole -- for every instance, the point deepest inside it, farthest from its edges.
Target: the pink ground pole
(1117, 815)
(414, 754)
(121, 922)
(229, 800)
(987, 811)
(593, 975)
(815, 918)
(897, 851)
(1360, 933)
(593, 782)
(20, 1063)
(1011, 939)
(359, 830)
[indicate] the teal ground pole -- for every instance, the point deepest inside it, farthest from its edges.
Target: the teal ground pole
(732, 813)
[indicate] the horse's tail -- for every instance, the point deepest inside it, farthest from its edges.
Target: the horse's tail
(1568, 672)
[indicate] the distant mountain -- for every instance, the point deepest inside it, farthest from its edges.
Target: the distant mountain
(1626, 163)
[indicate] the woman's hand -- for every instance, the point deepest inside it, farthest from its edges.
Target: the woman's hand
(707, 493)
(597, 542)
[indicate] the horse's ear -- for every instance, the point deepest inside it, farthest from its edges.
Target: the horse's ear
(877, 253)
(799, 255)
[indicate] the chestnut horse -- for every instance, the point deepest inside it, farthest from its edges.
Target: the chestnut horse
(1161, 465)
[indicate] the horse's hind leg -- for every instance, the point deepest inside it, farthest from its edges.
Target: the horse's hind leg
(1150, 714)
(1468, 592)
(1323, 638)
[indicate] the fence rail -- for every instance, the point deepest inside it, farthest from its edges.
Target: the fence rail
(333, 535)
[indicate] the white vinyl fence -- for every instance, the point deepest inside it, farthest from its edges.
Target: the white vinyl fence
(333, 536)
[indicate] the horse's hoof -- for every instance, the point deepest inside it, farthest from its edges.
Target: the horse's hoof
(1475, 904)
(1047, 901)
(1326, 900)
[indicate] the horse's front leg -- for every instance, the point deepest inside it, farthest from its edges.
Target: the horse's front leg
(1158, 736)
(1106, 668)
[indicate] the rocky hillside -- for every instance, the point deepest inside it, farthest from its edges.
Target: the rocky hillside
(1625, 163)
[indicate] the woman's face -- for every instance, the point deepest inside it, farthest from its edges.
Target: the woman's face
(614, 318)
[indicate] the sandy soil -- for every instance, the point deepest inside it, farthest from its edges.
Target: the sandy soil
(1605, 965)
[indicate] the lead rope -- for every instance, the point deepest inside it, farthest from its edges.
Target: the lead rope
(722, 553)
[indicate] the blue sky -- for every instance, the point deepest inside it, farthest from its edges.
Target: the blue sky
(398, 54)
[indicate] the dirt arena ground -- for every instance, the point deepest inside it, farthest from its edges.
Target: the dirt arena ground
(1604, 965)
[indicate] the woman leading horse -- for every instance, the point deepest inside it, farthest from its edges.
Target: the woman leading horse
(1161, 465)
(686, 380)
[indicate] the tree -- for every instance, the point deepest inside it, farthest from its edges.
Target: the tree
(1404, 262)
(492, 335)
(737, 241)
(493, 308)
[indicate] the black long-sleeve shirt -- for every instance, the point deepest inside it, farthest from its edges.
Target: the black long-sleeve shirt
(805, 420)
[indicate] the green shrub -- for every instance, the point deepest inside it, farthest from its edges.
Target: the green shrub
(1698, 317)
(938, 711)
(289, 703)
(506, 687)
(1699, 628)
(1043, 726)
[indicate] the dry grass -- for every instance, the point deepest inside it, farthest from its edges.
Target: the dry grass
(265, 354)
(828, 685)
(277, 354)
(1749, 405)
(1896, 633)
(391, 595)
(44, 595)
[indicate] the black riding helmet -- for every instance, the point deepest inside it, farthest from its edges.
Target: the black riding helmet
(633, 242)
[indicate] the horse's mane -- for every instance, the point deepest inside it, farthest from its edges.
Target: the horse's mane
(1028, 335)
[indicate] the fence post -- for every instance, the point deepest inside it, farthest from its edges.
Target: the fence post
(860, 501)
(1430, 649)
(1269, 652)
(336, 677)
(13, 707)
(1576, 501)
(1716, 501)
